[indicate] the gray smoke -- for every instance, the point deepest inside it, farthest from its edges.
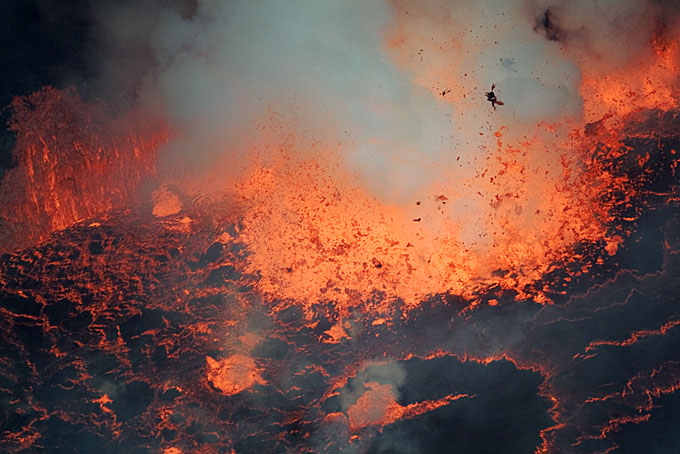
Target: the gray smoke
(226, 73)
(228, 69)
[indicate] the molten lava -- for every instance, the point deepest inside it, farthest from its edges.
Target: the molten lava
(234, 374)
(527, 280)
(73, 161)
(315, 235)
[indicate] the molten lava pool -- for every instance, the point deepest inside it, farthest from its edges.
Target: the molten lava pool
(301, 227)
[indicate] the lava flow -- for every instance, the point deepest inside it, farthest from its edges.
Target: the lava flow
(311, 233)
(72, 162)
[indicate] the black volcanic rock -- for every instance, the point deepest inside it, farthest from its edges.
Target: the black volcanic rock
(110, 351)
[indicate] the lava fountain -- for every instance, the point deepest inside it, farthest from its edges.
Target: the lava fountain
(313, 233)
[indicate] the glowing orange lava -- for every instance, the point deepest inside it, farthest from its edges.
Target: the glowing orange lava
(314, 233)
(646, 84)
(378, 406)
(514, 202)
(74, 161)
(233, 374)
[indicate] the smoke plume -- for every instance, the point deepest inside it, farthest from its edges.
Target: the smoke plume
(388, 99)
(367, 76)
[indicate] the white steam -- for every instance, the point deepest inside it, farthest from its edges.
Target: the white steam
(320, 65)
(222, 69)
(393, 374)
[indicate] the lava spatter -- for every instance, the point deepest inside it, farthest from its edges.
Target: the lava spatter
(314, 235)
(73, 161)
(140, 363)
(339, 243)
